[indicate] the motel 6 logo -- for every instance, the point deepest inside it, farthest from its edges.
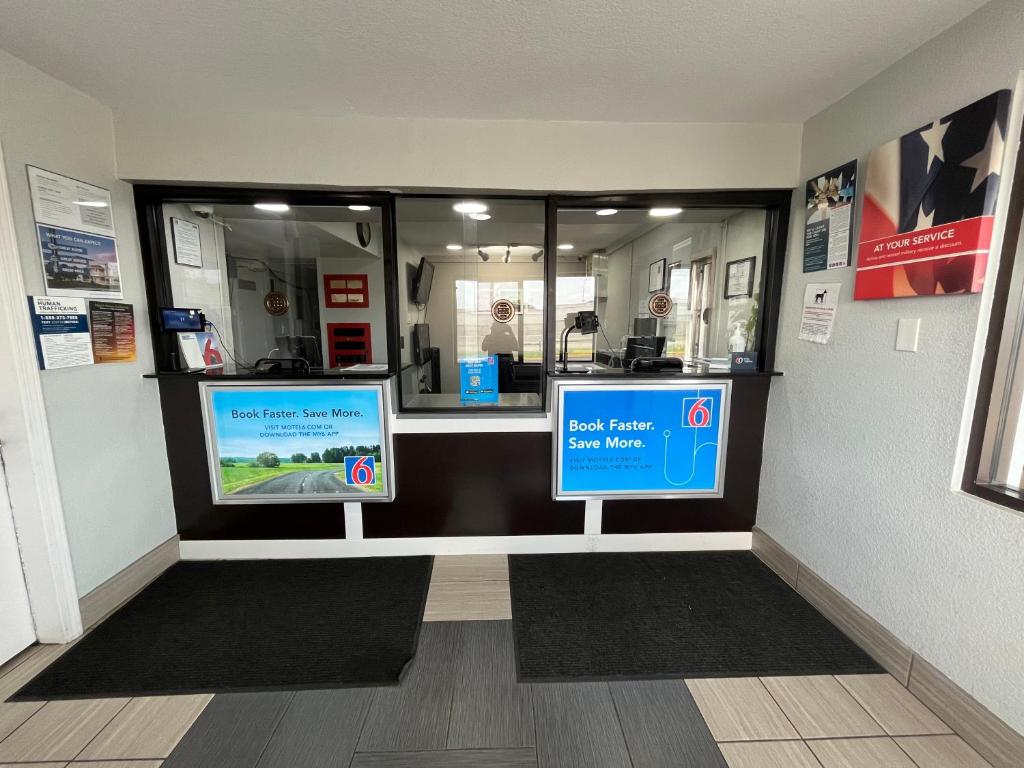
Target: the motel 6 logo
(360, 470)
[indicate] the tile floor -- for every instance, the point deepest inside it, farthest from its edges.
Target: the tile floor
(460, 705)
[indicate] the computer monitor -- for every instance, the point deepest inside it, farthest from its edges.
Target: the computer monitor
(645, 326)
(421, 343)
(643, 346)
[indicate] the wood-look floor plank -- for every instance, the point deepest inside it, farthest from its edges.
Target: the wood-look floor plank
(14, 714)
(148, 727)
(462, 758)
(60, 730)
(941, 752)
(319, 730)
(663, 726)
(740, 709)
(468, 601)
(577, 727)
(820, 708)
(40, 658)
(470, 568)
(895, 708)
(414, 715)
(61, 764)
(860, 753)
(768, 754)
(232, 732)
(111, 764)
(489, 709)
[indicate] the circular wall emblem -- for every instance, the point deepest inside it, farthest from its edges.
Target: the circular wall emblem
(276, 303)
(503, 310)
(660, 304)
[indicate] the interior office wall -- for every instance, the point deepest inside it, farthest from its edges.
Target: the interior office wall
(203, 287)
(104, 420)
(742, 238)
(375, 314)
(861, 490)
(276, 147)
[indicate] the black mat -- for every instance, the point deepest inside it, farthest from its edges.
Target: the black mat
(668, 614)
(251, 625)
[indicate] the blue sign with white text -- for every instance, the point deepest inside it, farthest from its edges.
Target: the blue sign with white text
(641, 440)
(478, 380)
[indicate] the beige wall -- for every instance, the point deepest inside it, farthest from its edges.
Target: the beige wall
(104, 420)
(275, 148)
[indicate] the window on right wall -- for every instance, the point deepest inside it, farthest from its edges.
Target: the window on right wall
(995, 457)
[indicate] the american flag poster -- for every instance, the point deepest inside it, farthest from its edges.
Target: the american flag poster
(929, 200)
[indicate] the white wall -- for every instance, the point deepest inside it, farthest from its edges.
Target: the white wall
(484, 154)
(104, 419)
(861, 440)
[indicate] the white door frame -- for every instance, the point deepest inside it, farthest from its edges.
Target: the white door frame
(28, 455)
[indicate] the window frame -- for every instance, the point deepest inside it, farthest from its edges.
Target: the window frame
(776, 204)
(149, 202)
(1004, 496)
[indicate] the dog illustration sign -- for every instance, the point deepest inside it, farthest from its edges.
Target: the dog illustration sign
(819, 315)
(658, 439)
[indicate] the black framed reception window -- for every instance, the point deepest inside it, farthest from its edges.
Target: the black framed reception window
(690, 276)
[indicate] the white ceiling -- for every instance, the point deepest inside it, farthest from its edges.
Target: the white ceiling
(617, 60)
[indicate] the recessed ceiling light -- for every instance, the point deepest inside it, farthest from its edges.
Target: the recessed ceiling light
(453, 247)
(91, 203)
(469, 206)
(662, 212)
(479, 216)
(272, 207)
(359, 207)
(607, 211)
(565, 246)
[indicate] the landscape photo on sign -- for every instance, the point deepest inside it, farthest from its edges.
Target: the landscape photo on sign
(79, 263)
(317, 440)
(929, 202)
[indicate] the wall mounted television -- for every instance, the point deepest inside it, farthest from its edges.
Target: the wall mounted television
(422, 281)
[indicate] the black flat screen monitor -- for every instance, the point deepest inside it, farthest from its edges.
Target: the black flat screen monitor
(178, 319)
(422, 281)
(643, 346)
(421, 343)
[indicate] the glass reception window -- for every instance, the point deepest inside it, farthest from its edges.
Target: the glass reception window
(276, 282)
(471, 302)
(664, 283)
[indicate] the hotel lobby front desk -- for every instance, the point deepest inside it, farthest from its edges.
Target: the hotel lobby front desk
(625, 455)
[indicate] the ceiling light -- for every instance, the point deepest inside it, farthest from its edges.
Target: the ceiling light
(607, 211)
(479, 216)
(359, 207)
(272, 207)
(508, 253)
(662, 212)
(468, 206)
(537, 256)
(482, 254)
(565, 247)
(453, 247)
(91, 203)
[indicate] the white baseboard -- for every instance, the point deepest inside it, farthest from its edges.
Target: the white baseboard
(462, 545)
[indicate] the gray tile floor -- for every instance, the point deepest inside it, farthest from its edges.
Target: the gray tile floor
(460, 705)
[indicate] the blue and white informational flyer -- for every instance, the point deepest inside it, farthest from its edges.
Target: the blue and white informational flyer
(655, 439)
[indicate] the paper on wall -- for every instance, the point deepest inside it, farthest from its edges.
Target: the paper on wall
(819, 313)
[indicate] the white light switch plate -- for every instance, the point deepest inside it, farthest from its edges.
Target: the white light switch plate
(906, 334)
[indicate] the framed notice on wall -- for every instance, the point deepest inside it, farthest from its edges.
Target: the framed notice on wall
(188, 249)
(296, 443)
(828, 226)
(659, 439)
(929, 203)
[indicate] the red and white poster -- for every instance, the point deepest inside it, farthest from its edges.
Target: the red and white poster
(929, 200)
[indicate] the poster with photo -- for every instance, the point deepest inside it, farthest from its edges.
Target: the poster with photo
(79, 263)
(829, 218)
(271, 443)
(929, 203)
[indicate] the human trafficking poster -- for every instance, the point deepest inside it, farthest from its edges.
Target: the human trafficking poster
(658, 440)
(929, 202)
(299, 443)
